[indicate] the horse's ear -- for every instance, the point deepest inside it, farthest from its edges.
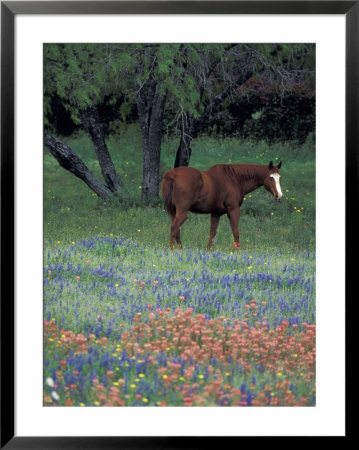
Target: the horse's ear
(270, 165)
(279, 165)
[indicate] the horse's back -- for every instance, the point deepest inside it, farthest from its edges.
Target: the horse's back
(218, 173)
(184, 176)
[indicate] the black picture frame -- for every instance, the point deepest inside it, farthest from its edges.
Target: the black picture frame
(9, 9)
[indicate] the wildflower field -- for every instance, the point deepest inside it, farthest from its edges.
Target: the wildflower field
(129, 323)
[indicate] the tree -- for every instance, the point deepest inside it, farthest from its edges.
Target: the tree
(82, 75)
(208, 65)
(222, 70)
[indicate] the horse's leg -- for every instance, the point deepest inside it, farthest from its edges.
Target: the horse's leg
(213, 229)
(233, 215)
(178, 238)
(181, 216)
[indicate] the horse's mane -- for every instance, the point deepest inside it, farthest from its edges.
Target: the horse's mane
(242, 172)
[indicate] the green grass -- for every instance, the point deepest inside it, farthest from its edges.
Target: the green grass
(73, 212)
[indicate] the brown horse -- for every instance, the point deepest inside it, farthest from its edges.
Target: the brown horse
(216, 191)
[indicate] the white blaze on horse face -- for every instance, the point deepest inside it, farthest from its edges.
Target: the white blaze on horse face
(276, 178)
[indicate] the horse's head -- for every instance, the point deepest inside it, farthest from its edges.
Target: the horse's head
(272, 181)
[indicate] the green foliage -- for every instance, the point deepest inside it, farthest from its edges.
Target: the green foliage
(189, 75)
(256, 115)
(83, 74)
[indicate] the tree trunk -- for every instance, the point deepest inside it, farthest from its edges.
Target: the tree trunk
(192, 127)
(150, 106)
(188, 133)
(70, 161)
(91, 121)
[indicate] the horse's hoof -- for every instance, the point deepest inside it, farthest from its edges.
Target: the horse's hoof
(236, 245)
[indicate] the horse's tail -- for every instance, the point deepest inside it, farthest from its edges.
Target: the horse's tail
(168, 181)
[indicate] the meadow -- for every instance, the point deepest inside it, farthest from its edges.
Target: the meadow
(129, 323)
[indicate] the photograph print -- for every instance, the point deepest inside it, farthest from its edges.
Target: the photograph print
(179, 224)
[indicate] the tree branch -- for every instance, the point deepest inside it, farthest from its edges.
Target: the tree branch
(70, 161)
